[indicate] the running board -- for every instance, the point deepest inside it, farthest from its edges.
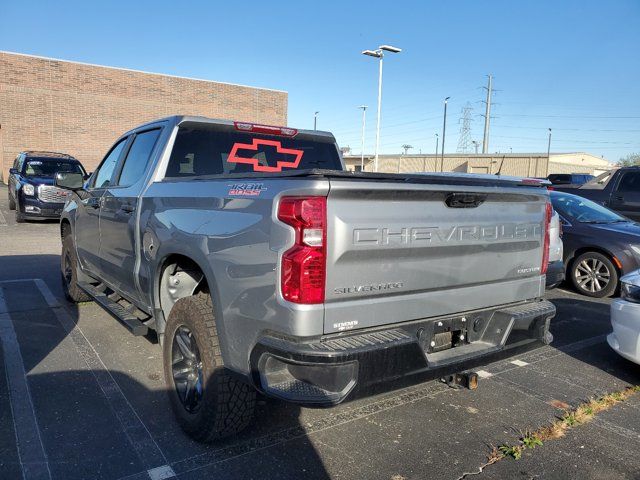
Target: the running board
(113, 303)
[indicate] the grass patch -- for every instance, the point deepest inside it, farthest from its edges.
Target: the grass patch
(580, 415)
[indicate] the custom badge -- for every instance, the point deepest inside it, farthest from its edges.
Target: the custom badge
(281, 157)
(246, 189)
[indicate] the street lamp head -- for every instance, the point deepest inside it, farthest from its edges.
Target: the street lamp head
(363, 107)
(372, 53)
(389, 48)
(316, 113)
(446, 99)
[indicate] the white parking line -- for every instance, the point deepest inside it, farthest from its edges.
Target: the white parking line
(519, 363)
(484, 374)
(33, 459)
(161, 473)
(139, 436)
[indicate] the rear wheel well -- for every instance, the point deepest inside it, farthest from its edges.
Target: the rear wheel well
(180, 277)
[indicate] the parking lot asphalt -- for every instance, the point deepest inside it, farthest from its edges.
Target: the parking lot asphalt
(82, 398)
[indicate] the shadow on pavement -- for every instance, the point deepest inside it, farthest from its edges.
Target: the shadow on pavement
(99, 423)
(583, 318)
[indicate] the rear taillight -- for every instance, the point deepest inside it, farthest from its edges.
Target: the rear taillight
(548, 212)
(550, 188)
(303, 267)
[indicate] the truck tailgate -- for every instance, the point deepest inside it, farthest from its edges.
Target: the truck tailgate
(401, 252)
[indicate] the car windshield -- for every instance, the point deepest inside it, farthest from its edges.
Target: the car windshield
(48, 167)
(581, 210)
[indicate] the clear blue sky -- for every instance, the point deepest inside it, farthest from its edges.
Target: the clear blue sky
(573, 66)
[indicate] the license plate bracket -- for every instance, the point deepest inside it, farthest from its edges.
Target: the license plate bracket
(448, 333)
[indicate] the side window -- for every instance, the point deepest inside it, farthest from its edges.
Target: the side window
(630, 182)
(138, 157)
(102, 177)
(19, 163)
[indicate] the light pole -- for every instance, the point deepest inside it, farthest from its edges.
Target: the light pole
(315, 120)
(475, 145)
(549, 148)
(437, 140)
(379, 55)
(364, 119)
(444, 131)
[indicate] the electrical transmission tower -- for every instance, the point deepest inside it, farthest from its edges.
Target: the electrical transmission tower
(464, 138)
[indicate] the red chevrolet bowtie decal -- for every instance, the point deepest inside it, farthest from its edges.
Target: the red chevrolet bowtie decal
(234, 158)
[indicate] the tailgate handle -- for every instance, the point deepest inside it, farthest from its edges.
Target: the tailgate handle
(464, 200)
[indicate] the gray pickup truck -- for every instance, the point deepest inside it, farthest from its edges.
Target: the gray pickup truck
(262, 265)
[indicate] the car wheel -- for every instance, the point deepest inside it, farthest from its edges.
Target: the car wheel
(593, 274)
(69, 271)
(208, 402)
(12, 202)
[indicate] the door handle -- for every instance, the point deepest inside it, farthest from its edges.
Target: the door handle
(126, 208)
(619, 198)
(93, 202)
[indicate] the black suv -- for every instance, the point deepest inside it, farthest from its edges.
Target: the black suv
(32, 193)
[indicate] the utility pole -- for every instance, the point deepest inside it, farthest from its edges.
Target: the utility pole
(549, 148)
(364, 119)
(444, 131)
(315, 120)
(406, 147)
(487, 117)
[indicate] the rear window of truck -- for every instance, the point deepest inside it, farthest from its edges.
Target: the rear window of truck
(204, 150)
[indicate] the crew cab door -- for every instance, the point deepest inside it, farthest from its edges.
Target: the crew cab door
(87, 221)
(625, 197)
(118, 215)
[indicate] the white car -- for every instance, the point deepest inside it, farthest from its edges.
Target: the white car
(625, 318)
(555, 270)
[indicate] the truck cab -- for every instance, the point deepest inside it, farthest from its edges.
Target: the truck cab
(618, 190)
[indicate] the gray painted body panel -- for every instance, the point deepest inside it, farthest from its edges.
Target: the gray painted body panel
(399, 253)
(238, 241)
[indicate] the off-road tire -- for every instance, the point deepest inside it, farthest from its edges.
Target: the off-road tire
(12, 202)
(70, 281)
(593, 258)
(227, 404)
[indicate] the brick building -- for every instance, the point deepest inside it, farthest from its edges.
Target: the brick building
(80, 109)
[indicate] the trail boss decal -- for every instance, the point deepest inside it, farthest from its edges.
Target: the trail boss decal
(246, 189)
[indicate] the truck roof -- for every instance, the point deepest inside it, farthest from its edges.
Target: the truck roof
(178, 119)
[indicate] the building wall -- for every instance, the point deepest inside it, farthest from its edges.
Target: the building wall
(81, 109)
(522, 165)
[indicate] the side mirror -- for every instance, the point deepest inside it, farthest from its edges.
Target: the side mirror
(13, 171)
(69, 181)
(87, 175)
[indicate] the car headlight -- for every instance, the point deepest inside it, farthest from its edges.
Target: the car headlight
(28, 189)
(630, 292)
